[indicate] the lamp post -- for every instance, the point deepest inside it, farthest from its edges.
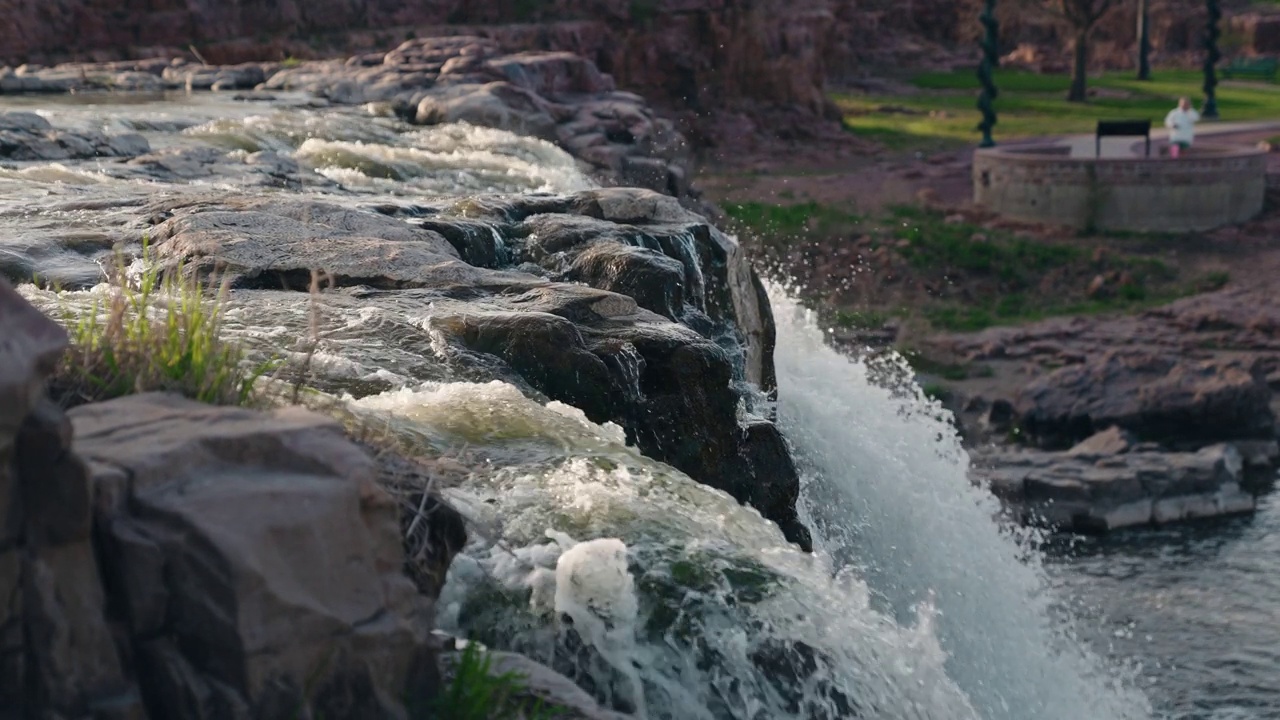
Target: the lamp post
(1211, 58)
(990, 60)
(1144, 41)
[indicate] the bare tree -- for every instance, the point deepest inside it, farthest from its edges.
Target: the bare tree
(1082, 16)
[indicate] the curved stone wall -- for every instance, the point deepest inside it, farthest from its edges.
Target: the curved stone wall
(1205, 188)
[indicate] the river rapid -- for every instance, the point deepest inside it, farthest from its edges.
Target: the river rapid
(683, 603)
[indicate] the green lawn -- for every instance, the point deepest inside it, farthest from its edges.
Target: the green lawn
(944, 114)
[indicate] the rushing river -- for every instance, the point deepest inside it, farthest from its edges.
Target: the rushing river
(684, 603)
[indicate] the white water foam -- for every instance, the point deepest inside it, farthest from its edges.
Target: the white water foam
(885, 490)
(731, 622)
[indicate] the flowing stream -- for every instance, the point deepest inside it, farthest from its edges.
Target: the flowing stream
(659, 595)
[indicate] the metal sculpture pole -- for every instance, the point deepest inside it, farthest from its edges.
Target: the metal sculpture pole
(990, 60)
(1211, 58)
(1144, 41)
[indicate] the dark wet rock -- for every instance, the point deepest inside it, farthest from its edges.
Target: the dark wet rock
(676, 387)
(27, 136)
(1157, 397)
(601, 237)
(1093, 491)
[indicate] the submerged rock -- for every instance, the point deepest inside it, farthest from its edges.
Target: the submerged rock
(28, 136)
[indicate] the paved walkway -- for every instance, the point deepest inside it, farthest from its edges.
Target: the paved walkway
(1083, 145)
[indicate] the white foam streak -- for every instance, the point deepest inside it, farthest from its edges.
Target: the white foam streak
(731, 621)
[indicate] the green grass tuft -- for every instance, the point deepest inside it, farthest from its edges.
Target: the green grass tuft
(477, 694)
(160, 334)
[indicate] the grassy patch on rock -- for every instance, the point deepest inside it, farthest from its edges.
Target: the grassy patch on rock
(932, 271)
(156, 333)
(477, 693)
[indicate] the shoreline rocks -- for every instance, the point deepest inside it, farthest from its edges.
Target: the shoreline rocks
(1158, 397)
(1109, 481)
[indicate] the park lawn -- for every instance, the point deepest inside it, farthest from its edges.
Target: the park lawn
(944, 114)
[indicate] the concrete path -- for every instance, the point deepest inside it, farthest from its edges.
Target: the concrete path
(1083, 145)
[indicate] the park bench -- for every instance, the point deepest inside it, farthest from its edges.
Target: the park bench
(1122, 128)
(1252, 67)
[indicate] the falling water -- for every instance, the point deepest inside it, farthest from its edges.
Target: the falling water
(885, 489)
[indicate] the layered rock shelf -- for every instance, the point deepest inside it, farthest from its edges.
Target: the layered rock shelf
(618, 301)
(1110, 481)
(556, 96)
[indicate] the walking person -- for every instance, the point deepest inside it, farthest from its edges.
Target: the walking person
(1181, 122)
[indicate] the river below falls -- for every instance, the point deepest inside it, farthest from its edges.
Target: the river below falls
(1197, 605)
(1186, 618)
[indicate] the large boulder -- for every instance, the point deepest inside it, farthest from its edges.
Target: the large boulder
(255, 563)
(1157, 397)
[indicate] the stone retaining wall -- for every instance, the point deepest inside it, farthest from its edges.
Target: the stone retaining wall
(1209, 187)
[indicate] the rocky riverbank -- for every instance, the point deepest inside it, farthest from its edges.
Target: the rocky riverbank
(169, 597)
(1181, 398)
(167, 559)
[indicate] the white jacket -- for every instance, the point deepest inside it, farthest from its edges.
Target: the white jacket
(1182, 124)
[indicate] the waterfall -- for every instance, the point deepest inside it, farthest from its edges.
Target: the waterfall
(885, 491)
(917, 604)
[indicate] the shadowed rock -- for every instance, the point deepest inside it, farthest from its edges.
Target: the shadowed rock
(255, 562)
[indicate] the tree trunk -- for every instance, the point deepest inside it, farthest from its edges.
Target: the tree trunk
(1144, 41)
(1080, 75)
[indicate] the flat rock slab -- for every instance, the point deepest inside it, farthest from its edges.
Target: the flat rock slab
(1095, 487)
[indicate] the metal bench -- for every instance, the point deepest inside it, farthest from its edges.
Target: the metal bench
(1252, 67)
(1122, 128)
